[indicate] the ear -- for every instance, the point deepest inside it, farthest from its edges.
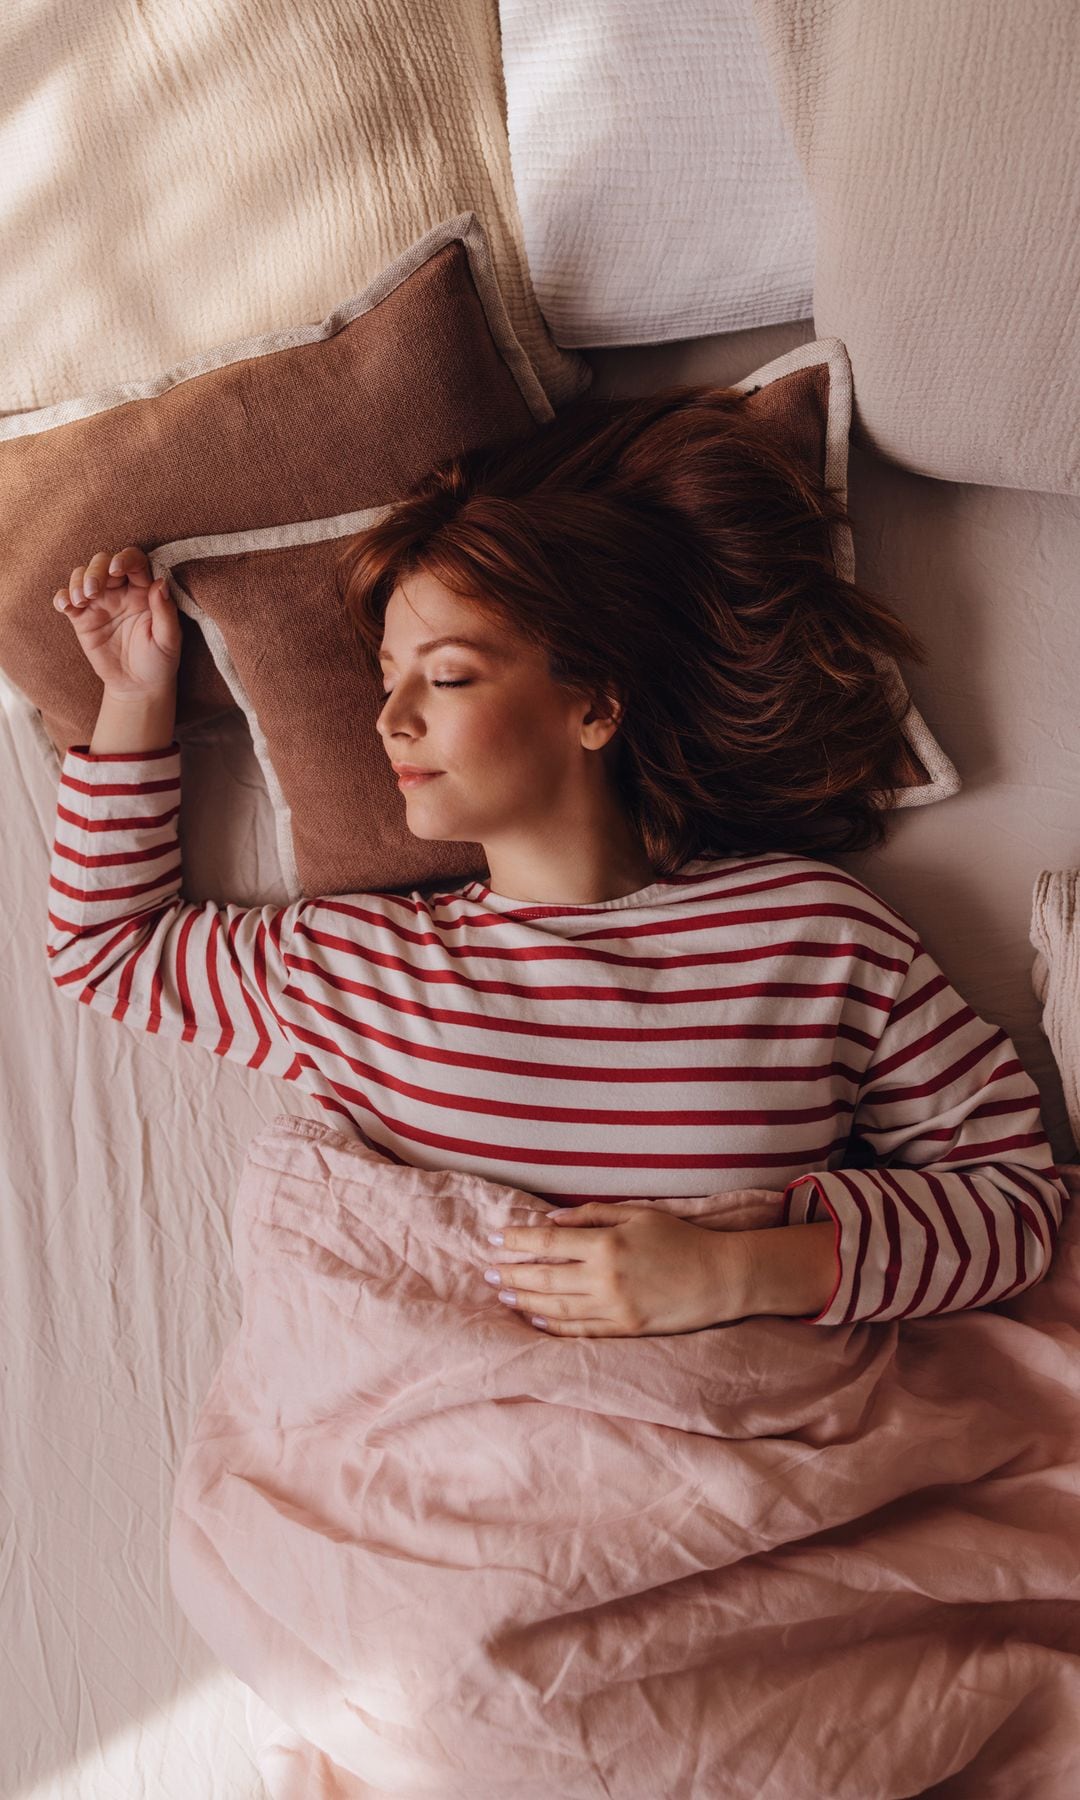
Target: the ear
(601, 722)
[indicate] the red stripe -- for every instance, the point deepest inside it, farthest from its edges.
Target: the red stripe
(85, 754)
(960, 1243)
(931, 1248)
(586, 1159)
(464, 1059)
(994, 1255)
(594, 1112)
(723, 893)
(862, 1247)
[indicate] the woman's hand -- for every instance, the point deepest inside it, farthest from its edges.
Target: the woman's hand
(128, 625)
(637, 1272)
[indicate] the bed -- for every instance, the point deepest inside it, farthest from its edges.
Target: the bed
(122, 1154)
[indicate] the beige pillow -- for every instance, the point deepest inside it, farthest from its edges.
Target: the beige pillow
(939, 144)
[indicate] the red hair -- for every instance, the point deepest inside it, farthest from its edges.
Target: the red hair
(671, 552)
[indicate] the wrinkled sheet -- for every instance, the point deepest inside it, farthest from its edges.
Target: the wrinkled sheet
(456, 1556)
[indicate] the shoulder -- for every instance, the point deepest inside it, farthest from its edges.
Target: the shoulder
(839, 902)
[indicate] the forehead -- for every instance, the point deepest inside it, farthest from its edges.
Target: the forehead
(421, 615)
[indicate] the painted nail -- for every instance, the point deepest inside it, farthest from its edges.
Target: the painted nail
(508, 1298)
(493, 1276)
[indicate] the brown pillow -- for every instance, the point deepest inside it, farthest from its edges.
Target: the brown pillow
(265, 451)
(274, 469)
(340, 821)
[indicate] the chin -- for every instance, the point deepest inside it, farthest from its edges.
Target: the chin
(431, 832)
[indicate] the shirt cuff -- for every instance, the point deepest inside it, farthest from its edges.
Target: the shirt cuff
(806, 1202)
(84, 753)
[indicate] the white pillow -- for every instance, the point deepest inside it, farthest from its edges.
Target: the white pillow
(660, 193)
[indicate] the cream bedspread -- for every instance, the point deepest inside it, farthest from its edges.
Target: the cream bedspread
(764, 1560)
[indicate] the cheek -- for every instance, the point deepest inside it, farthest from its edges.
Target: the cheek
(492, 732)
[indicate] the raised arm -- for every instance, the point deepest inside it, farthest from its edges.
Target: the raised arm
(121, 938)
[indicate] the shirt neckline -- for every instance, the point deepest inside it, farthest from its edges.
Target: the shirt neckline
(478, 890)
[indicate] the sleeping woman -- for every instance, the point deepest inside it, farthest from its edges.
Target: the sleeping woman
(617, 656)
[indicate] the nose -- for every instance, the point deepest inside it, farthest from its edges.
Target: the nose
(385, 724)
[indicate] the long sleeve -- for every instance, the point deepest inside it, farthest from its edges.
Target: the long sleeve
(966, 1203)
(122, 940)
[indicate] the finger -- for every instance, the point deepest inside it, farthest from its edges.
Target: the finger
(96, 571)
(129, 559)
(580, 1321)
(579, 1305)
(75, 584)
(546, 1278)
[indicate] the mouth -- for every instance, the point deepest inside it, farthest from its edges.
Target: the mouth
(408, 781)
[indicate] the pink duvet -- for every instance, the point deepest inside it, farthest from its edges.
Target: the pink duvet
(456, 1557)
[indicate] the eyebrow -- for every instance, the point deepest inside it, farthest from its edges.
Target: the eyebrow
(485, 645)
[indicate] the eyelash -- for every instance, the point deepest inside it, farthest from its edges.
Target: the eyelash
(388, 691)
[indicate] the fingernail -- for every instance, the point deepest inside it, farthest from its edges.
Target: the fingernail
(543, 1324)
(495, 1237)
(492, 1276)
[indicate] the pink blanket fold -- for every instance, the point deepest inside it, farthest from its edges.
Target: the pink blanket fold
(456, 1557)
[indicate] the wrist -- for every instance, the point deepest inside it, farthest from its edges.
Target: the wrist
(130, 723)
(788, 1271)
(141, 697)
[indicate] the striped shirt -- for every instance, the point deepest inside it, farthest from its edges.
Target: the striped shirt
(730, 1026)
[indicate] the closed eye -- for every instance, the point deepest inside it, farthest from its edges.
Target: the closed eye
(388, 691)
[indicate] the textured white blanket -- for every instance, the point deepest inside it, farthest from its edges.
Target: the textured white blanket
(1055, 975)
(659, 190)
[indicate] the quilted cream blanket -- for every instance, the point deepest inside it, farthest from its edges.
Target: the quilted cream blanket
(454, 1557)
(178, 176)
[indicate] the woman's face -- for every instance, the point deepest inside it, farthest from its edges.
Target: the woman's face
(506, 740)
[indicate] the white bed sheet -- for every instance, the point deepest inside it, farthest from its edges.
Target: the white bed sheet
(121, 1152)
(120, 1156)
